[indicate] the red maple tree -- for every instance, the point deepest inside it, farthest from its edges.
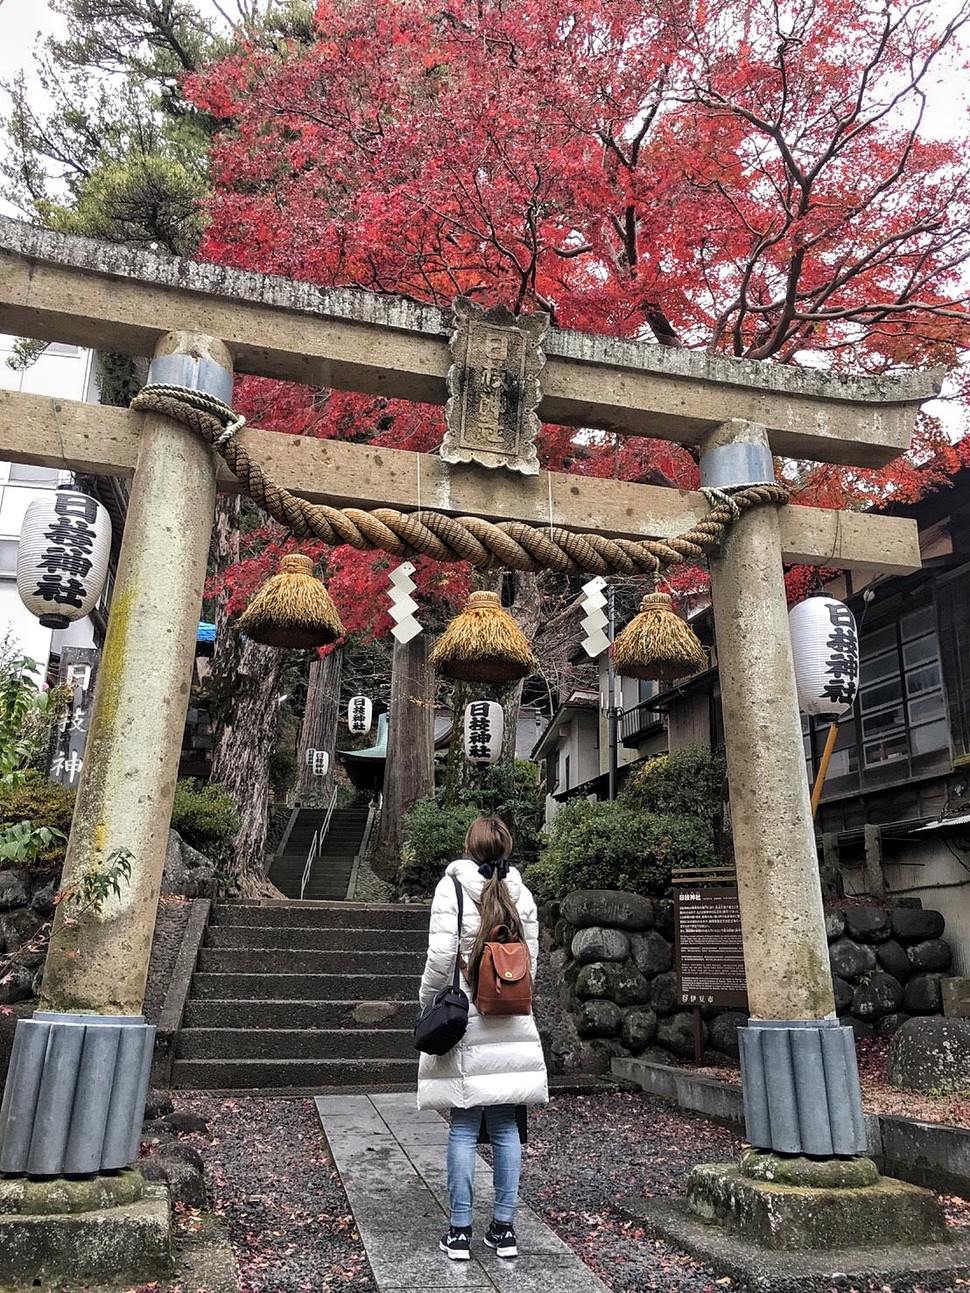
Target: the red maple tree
(750, 178)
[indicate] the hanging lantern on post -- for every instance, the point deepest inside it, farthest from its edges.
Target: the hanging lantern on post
(657, 643)
(484, 731)
(292, 608)
(483, 643)
(62, 560)
(825, 652)
(359, 714)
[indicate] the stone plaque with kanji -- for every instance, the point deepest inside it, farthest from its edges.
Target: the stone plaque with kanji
(493, 387)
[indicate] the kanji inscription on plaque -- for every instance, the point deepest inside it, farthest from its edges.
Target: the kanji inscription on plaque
(493, 387)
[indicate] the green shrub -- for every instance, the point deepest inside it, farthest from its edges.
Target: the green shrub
(689, 782)
(205, 817)
(433, 837)
(44, 804)
(618, 846)
(510, 791)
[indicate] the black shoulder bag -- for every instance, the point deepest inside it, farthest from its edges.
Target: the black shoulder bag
(442, 1022)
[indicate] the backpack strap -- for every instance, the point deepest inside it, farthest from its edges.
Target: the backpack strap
(459, 964)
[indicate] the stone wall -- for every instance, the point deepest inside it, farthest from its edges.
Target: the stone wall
(612, 959)
(27, 905)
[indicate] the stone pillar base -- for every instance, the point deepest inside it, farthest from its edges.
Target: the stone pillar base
(75, 1093)
(800, 1087)
(104, 1230)
(807, 1217)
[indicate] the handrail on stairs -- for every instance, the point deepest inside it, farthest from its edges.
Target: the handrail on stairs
(319, 835)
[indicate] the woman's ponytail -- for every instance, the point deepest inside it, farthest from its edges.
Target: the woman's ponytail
(489, 844)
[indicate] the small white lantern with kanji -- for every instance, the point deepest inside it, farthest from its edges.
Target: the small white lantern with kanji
(484, 731)
(825, 650)
(62, 560)
(320, 765)
(360, 711)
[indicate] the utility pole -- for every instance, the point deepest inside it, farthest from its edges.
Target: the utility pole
(612, 712)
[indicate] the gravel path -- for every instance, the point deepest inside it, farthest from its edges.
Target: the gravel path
(291, 1228)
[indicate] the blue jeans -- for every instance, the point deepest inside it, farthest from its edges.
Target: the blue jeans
(503, 1132)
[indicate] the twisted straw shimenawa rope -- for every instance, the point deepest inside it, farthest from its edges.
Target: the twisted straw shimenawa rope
(446, 538)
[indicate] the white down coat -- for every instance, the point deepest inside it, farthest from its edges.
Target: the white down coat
(499, 1060)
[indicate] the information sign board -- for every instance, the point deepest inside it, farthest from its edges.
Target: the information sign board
(709, 953)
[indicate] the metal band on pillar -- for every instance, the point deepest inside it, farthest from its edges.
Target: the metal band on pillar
(76, 1093)
(800, 1087)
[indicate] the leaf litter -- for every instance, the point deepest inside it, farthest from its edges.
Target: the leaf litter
(292, 1230)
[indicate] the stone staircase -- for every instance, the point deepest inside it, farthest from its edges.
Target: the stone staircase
(330, 878)
(311, 996)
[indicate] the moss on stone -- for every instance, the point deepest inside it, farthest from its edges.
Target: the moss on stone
(60, 1195)
(816, 1173)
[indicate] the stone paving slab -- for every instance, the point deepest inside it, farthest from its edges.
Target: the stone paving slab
(391, 1160)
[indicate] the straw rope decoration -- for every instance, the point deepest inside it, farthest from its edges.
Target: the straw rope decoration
(484, 544)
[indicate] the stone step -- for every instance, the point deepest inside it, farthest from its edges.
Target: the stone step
(248, 1075)
(341, 915)
(305, 987)
(286, 961)
(304, 939)
(272, 1014)
(296, 1043)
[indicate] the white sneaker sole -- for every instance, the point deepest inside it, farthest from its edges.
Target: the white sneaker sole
(503, 1251)
(456, 1255)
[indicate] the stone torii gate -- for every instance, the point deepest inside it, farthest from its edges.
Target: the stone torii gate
(202, 322)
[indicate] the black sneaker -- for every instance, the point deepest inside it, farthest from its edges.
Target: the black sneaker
(501, 1236)
(456, 1242)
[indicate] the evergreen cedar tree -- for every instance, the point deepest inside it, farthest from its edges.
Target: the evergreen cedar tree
(745, 177)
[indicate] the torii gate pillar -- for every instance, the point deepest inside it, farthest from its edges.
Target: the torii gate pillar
(799, 1075)
(79, 1070)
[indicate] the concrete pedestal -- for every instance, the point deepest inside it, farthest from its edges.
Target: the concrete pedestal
(796, 1217)
(104, 1230)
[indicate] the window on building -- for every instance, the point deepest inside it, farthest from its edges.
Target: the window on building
(900, 713)
(27, 473)
(901, 706)
(8, 558)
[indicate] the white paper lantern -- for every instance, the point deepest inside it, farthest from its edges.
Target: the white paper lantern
(321, 763)
(825, 647)
(484, 731)
(360, 711)
(62, 560)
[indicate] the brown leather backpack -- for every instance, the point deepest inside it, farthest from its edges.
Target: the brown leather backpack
(504, 976)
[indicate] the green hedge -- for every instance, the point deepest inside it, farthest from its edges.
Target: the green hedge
(205, 817)
(433, 837)
(688, 782)
(618, 846)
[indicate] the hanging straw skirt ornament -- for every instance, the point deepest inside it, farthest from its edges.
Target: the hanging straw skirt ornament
(657, 643)
(483, 643)
(291, 608)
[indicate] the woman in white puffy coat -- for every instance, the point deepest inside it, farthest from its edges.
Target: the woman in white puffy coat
(499, 1063)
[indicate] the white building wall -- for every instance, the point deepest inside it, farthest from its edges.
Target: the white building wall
(938, 877)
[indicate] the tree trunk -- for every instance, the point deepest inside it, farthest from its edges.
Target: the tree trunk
(241, 763)
(245, 682)
(409, 767)
(319, 728)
